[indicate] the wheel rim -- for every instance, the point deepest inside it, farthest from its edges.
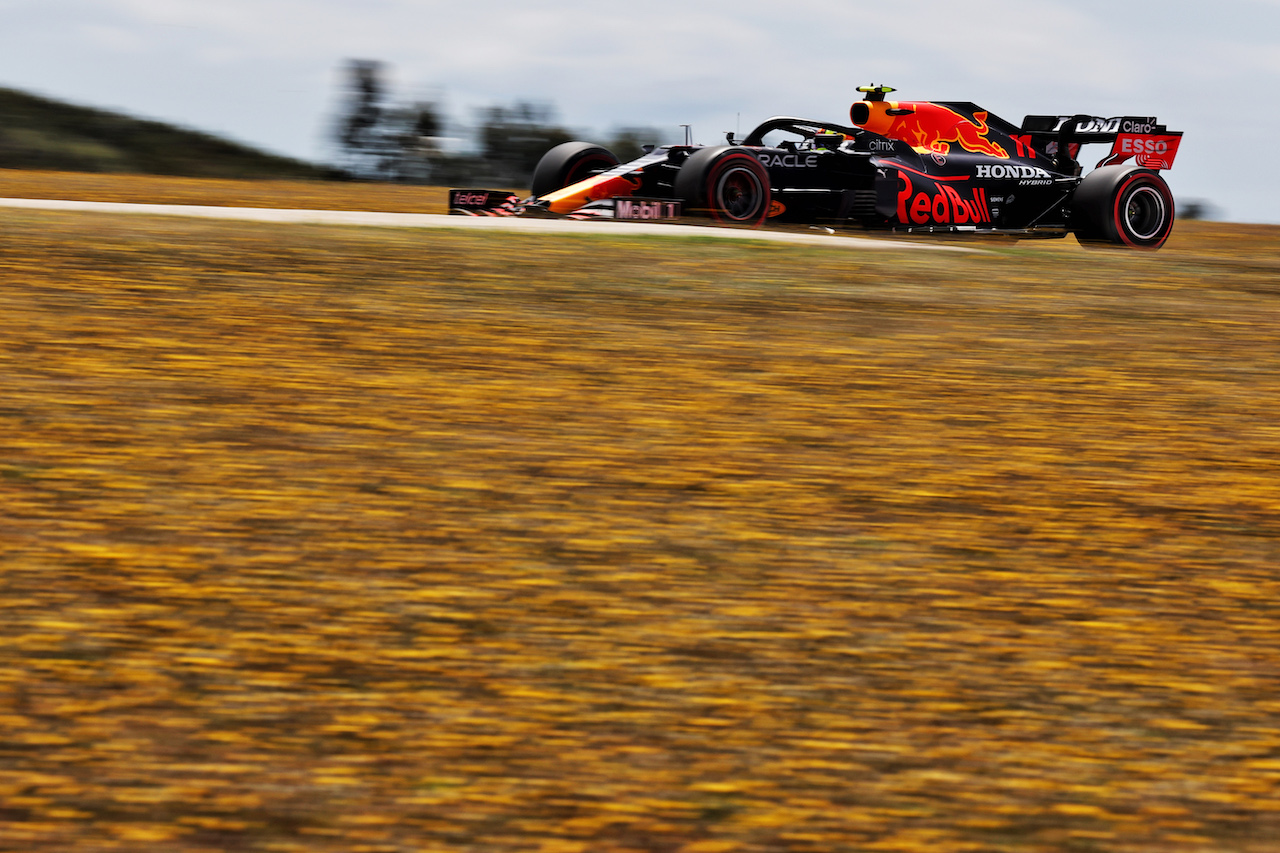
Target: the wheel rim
(739, 192)
(1144, 213)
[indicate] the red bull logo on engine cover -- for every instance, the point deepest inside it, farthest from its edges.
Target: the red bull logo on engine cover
(927, 127)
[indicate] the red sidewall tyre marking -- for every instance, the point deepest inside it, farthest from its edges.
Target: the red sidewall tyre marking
(1119, 217)
(718, 172)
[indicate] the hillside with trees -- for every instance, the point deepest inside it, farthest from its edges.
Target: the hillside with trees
(41, 133)
(376, 137)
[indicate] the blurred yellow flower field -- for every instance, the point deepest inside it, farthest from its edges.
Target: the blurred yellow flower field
(338, 539)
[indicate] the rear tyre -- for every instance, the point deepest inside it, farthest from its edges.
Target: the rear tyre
(1125, 205)
(568, 163)
(729, 184)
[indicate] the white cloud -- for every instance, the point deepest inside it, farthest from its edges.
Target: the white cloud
(112, 37)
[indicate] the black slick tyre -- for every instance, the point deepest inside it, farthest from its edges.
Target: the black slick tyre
(1124, 205)
(727, 183)
(568, 163)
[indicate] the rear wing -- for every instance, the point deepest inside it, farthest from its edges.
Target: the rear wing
(1152, 144)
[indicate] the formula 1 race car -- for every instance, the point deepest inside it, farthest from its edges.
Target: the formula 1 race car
(902, 166)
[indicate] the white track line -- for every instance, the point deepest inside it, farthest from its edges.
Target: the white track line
(483, 223)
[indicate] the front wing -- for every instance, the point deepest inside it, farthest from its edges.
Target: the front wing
(501, 203)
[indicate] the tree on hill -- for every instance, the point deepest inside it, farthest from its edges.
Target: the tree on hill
(362, 135)
(513, 139)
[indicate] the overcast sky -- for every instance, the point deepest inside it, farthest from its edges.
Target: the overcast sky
(267, 72)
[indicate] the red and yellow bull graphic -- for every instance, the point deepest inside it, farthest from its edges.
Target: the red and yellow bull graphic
(927, 127)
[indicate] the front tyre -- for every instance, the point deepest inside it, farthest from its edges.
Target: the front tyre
(1127, 205)
(727, 183)
(568, 163)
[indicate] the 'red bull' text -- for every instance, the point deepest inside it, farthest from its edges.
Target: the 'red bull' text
(945, 205)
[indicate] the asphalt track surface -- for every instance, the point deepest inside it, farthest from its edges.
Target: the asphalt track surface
(480, 223)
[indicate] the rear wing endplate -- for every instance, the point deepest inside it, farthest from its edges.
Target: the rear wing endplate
(1151, 144)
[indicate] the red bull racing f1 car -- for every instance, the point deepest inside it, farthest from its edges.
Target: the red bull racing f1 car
(900, 166)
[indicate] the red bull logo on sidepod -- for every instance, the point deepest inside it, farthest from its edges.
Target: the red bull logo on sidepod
(939, 203)
(927, 127)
